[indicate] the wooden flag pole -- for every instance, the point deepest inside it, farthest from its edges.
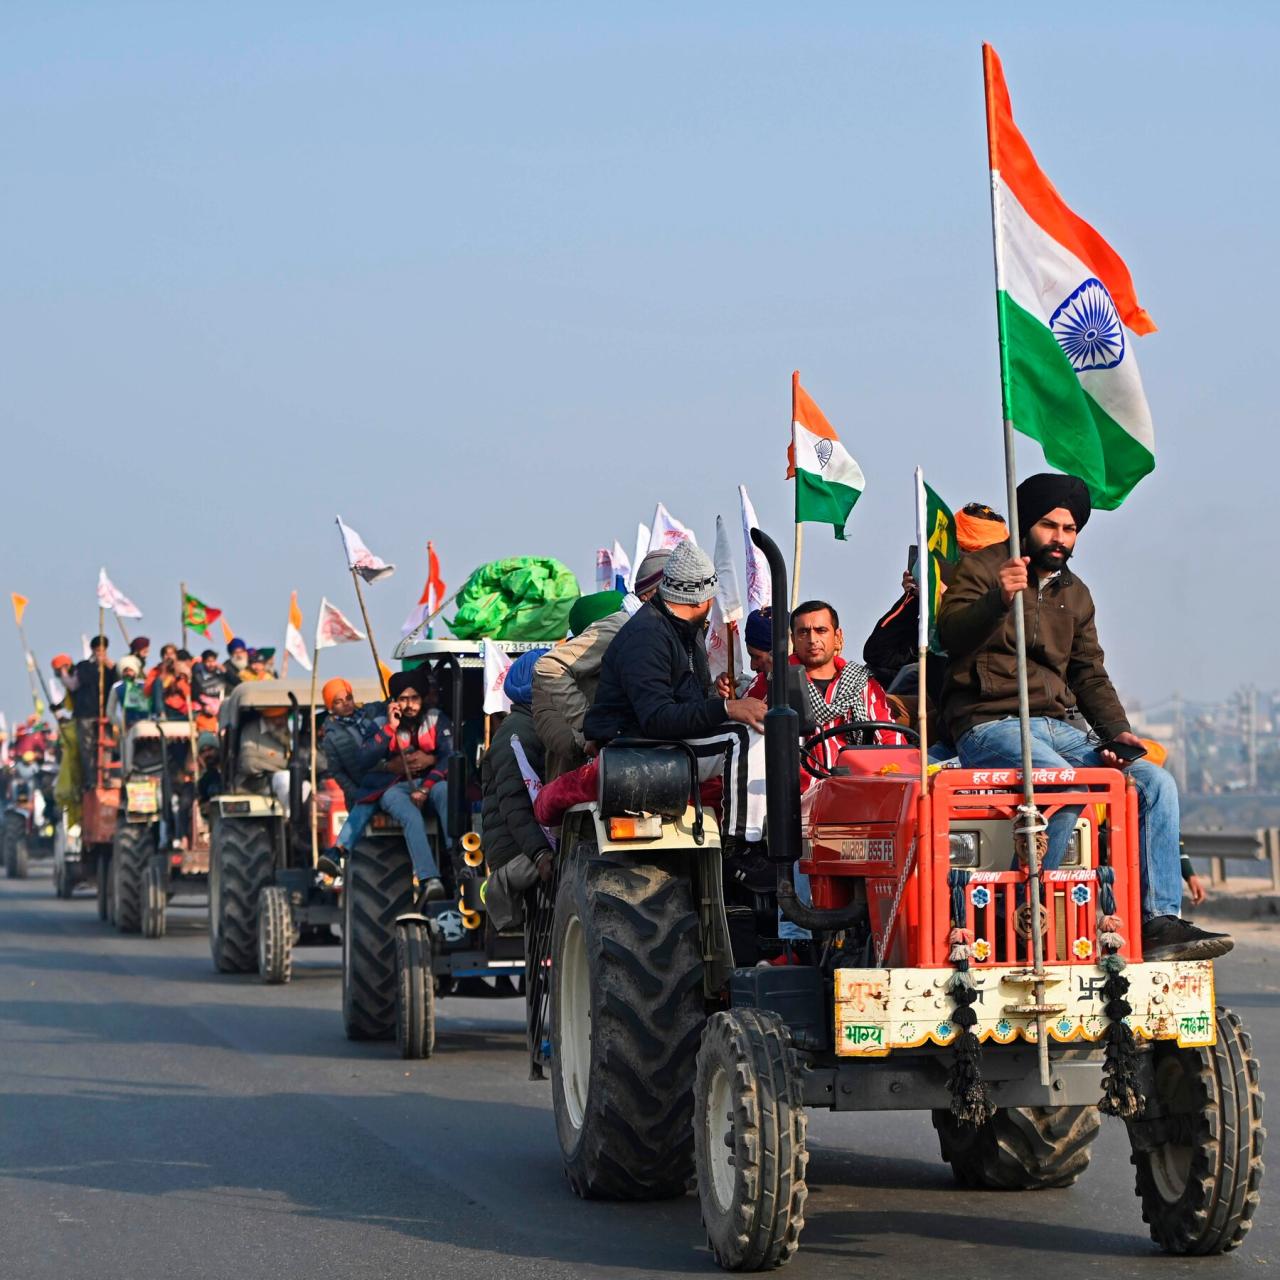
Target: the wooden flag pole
(33, 672)
(924, 602)
(373, 647)
(731, 630)
(795, 559)
(315, 833)
(123, 632)
(795, 564)
(182, 610)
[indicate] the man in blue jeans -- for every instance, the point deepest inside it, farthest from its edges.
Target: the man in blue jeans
(1068, 686)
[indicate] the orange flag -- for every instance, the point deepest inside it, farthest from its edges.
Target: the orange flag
(19, 606)
(227, 634)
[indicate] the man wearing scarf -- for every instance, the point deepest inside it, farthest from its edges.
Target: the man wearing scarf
(1068, 685)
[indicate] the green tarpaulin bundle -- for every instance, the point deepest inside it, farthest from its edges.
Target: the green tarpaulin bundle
(519, 598)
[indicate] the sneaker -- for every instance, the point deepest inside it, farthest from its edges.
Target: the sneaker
(432, 891)
(331, 863)
(1172, 938)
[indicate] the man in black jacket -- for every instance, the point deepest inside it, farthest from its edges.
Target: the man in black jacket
(655, 683)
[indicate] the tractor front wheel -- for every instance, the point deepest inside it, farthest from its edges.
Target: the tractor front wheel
(1019, 1148)
(155, 897)
(416, 990)
(1197, 1147)
(749, 1140)
(275, 935)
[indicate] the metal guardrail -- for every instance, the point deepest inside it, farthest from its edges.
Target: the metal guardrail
(1221, 847)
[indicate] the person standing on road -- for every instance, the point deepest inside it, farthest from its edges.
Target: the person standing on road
(1069, 687)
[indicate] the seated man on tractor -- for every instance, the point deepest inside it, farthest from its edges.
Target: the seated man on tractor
(1068, 684)
(566, 677)
(655, 683)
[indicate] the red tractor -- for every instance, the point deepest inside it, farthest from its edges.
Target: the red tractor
(932, 983)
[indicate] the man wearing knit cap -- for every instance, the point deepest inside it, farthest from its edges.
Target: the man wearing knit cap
(655, 683)
(565, 678)
(1068, 686)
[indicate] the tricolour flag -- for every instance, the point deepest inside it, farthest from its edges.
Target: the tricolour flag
(828, 480)
(196, 615)
(333, 627)
(496, 666)
(360, 559)
(432, 598)
(19, 606)
(668, 531)
(1064, 299)
(294, 645)
(111, 597)
(759, 583)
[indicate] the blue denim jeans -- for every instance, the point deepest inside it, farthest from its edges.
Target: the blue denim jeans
(1057, 745)
(361, 815)
(788, 930)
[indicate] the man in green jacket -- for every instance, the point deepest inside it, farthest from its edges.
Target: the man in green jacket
(1068, 685)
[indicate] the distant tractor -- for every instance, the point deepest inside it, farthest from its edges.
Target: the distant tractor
(930, 984)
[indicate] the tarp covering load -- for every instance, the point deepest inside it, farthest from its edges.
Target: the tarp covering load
(519, 598)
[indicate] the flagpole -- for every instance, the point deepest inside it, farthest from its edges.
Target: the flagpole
(123, 632)
(33, 671)
(1029, 823)
(924, 600)
(315, 834)
(799, 548)
(182, 610)
(368, 627)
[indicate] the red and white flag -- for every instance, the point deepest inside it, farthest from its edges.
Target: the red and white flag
(496, 666)
(759, 583)
(111, 597)
(360, 559)
(332, 627)
(433, 595)
(604, 569)
(294, 645)
(668, 531)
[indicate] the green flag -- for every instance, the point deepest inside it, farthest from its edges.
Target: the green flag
(936, 534)
(198, 616)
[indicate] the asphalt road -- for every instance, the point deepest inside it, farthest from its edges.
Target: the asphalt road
(160, 1120)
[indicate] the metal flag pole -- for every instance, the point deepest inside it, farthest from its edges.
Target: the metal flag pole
(1029, 824)
(799, 548)
(182, 610)
(924, 601)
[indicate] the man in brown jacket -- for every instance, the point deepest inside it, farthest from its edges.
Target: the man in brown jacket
(1068, 685)
(565, 678)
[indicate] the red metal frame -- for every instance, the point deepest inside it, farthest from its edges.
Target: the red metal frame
(867, 826)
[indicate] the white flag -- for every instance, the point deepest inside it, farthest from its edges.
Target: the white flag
(111, 597)
(332, 627)
(668, 531)
(294, 645)
(728, 592)
(718, 649)
(361, 559)
(621, 567)
(604, 569)
(532, 783)
(496, 666)
(643, 537)
(84, 645)
(759, 583)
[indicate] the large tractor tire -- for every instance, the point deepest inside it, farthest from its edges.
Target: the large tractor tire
(627, 1012)
(416, 991)
(62, 886)
(1198, 1147)
(15, 846)
(1019, 1148)
(378, 887)
(749, 1140)
(155, 898)
(241, 862)
(275, 936)
(104, 883)
(132, 850)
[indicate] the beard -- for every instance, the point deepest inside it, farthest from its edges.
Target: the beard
(1048, 557)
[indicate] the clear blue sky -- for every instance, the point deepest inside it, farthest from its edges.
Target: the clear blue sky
(503, 275)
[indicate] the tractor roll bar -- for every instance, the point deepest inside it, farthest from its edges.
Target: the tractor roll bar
(782, 766)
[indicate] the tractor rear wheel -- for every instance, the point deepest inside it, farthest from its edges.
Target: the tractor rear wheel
(155, 897)
(416, 990)
(1197, 1148)
(1019, 1148)
(627, 1012)
(378, 887)
(15, 846)
(275, 935)
(241, 860)
(749, 1140)
(133, 847)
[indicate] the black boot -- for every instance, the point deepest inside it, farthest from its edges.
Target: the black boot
(431, 890)
(1172, 938)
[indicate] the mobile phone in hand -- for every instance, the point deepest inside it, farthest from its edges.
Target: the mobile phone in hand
(1126, 752)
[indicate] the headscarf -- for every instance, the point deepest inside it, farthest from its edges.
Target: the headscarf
(977, 526)
(400, 681)
(758, 632)
(1040, 494)
(518, 686)
(589, 609)
(235, 643)
(139, 643)
(333, 690)
(130, 665)
(61, 660)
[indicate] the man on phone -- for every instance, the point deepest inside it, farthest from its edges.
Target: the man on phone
(1068, 685)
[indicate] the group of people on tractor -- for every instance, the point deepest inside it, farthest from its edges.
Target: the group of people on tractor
(640, 670)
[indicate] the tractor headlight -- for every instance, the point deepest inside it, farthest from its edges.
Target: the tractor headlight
(964, 848)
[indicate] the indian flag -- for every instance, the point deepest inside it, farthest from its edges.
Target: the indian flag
(1065, 299)
(828, 480)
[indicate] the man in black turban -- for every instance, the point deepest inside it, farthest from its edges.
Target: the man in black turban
(1070, 693)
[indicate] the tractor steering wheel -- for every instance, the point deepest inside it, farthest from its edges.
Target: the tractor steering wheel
(845, 729)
